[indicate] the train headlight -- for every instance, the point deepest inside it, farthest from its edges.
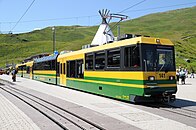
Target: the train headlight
(151, 78)
(158, 41)
(171, 77)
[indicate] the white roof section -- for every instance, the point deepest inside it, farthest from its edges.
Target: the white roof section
(103, 35)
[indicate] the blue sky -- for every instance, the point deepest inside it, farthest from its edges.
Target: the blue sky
(44, 13)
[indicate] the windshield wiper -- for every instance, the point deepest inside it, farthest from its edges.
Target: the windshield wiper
(163, 60)
(162, 67)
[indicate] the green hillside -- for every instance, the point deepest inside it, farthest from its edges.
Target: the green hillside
(178, 25)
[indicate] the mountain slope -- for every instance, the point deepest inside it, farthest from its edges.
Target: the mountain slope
(177, 25)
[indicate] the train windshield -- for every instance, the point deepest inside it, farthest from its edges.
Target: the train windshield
(165, 59)
(158, 58)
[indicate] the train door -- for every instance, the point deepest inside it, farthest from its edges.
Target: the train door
(64, 73)
(61, 73)
(31, 72)
(58, 73)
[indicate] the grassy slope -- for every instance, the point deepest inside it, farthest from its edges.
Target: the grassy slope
(177, 25)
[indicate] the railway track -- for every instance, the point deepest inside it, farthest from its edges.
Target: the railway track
(60, 116)
(181, 111)
(175, 110)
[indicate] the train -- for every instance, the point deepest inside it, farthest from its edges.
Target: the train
(126, 70)
(134, 68)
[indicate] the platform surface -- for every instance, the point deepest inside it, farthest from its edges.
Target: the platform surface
(115, 109)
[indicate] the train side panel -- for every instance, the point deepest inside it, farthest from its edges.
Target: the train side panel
(47, 76)
(117, 85)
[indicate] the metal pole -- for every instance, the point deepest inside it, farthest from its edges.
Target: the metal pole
(54, 38)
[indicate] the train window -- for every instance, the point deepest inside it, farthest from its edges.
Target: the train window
(46, 65)
(75, 69)
(100, 60)
(24, 67)
(63, 68)
(71, 69)
(28, 70)
(37, 66)
(52, 67)
(41, 66)
(79, 69)
(149, 60)
(132, 57)
(165, 59)
(20, 68)
(113, 58)
(58, 68)
(68, 69)
(89, 61)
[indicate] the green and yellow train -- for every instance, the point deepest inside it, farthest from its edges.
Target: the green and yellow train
(133, 69)
(25, 69)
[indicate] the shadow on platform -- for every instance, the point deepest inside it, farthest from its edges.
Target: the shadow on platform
(183, 103)
(179, 103)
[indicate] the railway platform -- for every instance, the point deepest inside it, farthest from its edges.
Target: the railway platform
(12, 117)
(112, 114)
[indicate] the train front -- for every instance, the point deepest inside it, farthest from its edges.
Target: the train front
(159, 71)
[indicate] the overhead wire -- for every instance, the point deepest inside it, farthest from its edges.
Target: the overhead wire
(132, 6)
(161, 7)
(55, 19)
(22, 15)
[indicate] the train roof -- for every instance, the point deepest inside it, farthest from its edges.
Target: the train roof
(19, 64)
(131, 41)
(29, 63)
(46, 58)
(35, 56)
